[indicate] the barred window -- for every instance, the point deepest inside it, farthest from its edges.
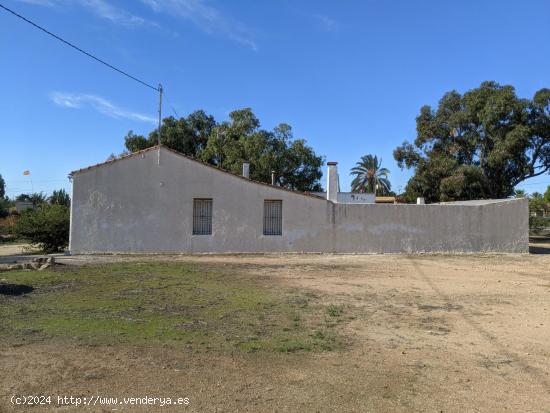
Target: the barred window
(273, 217)
(202, 216)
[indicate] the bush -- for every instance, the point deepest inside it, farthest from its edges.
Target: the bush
(7, 227)
(46, 226)
(60, 198)
(4, 208)
(537, 224)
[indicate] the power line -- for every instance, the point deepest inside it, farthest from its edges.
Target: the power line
(171, 105)
(174, 110)
(79, 49)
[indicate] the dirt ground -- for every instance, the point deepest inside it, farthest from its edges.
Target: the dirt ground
(465, 333)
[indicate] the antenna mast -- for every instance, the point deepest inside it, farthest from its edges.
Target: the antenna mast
(160, 120)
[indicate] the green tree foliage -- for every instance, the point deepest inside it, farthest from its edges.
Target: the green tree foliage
(478, 145)
(466, 182)
(186, 135)
(538, 205)
(547, 195)
(60, 197)
(539, 212)
(37, 198)
(370, 176)
(4, 201)
(4, 207)
(2, 187)
(46, 226)
(134, 143)
(295, 164)
(229, 144)
(537, 224)
(520, 193)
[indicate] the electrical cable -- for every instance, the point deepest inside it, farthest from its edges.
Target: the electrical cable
(79, 49)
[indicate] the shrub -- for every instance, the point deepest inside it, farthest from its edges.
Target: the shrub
(46, 226)
(60, 198)
(37, 198)
(4, 207)
(7, 227)
(537, 224)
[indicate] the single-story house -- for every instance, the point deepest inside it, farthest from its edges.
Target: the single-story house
(22, 206)
(160, 201)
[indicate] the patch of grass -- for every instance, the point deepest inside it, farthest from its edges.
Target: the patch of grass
(199, 307)
(290, 346)
(335, 310)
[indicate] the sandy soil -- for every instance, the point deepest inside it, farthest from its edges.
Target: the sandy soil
(15, 252)
(435, 333)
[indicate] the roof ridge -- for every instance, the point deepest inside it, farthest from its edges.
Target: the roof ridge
(110, 161)
(217, 168)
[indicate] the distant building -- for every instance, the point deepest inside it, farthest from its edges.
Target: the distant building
(160, 201)
(21, 206)
(386, 200)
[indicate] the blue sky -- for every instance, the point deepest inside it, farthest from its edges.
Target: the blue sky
(349, 76)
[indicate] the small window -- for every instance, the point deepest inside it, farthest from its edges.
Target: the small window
(202, 216)
(273, 217)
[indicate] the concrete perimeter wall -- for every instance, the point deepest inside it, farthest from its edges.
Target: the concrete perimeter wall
(500, 226)
(134, 205)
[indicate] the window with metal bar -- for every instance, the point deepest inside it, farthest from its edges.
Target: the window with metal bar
(273, 217)
(202, 216)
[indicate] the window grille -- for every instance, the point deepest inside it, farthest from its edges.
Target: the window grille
(273, 217)
(202, 216)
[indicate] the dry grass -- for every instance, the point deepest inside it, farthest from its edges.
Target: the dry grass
(418, 333)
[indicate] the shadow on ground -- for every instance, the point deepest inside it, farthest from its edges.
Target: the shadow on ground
(539, 245)
(15, 289)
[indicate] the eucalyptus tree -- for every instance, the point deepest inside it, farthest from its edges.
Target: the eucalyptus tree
(479, 144)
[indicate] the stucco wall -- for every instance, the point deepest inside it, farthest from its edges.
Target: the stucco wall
(351, 197)
(493, 226)
(136, 205)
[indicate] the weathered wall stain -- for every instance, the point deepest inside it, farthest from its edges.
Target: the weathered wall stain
(122, 207)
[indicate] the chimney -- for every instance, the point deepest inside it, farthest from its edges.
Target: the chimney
(246, 170)
(272, 177)
(420, 201)
(332, 181)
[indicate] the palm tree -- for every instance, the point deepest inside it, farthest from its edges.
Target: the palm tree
(520, 193)
(370, 176)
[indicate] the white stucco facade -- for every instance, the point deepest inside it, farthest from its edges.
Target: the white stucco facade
(138, 205)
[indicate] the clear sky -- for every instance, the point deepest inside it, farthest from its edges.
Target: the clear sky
(349, 76)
